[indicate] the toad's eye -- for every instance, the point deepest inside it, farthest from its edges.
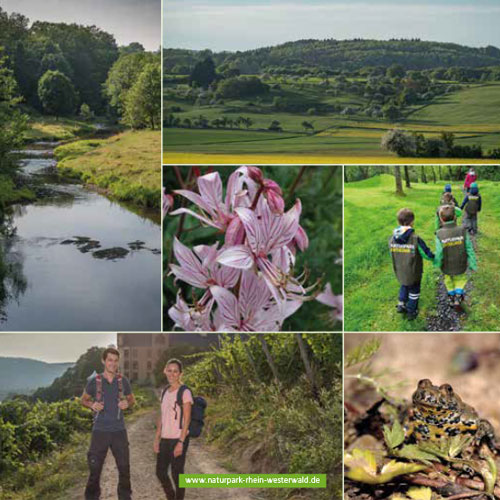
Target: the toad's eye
(446, 388)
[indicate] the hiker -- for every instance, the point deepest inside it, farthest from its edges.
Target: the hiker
(172, 432)
(447, 189)
(407, 250)
(469, 179)
(454, 252)
(108, 395)
(472, 204)
(446, 199)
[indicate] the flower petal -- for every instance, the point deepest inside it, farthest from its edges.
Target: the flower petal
(227, 305)
(252, 226)
(208, 222)
(238, 256)
(210, 186)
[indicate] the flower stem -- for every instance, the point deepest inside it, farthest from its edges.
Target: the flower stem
(296, 181)
(257, 196)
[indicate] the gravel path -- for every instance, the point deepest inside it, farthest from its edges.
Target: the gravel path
(145, 485)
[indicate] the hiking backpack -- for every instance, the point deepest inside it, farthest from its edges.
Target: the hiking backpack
(197, 411)
(98, 387)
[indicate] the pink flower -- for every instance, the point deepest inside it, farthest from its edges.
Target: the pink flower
(168, 202)
(200, 268)
(191, 319)
(253, 310)
(266, 233)
(335, 301)
(273, 194)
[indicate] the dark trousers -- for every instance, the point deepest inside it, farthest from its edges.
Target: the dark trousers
(166, 460)
(99, 444)
(410, 294)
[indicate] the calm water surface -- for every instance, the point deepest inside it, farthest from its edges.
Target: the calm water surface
(62, 281)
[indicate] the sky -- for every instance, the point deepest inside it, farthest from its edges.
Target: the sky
(247, 24)
(52, 347)
(128, 20)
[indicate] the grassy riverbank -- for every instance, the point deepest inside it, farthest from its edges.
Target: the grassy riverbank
(51, 128)
(125, 165)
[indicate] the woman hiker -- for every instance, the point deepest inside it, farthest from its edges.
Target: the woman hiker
(172, 431)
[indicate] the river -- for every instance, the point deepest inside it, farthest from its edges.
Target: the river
(78, 261)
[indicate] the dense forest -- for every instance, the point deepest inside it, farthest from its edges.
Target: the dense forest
(310, 56)
(60, 69)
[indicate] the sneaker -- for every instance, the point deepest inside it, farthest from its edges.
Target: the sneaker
(411, 315)
(451, 300)
(401, 308)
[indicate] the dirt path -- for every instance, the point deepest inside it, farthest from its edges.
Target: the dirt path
(145, 485)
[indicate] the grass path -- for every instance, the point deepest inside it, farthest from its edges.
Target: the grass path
(371, 289)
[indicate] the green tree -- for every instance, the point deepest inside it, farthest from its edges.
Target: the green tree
(123, 75)
(12, 121)
(86, 112)
(307, 125)
(143, 102)
(56, 93)
(203, 73)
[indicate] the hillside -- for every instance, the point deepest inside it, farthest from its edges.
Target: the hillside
(23, 375)
(333, 54)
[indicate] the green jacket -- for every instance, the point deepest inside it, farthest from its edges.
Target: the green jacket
(440, 250)
(437, 223)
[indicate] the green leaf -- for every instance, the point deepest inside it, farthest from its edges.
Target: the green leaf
(362, 467)
(419, 493)
(395, 436)
(413, 452)
(457, 444)
(362, 352)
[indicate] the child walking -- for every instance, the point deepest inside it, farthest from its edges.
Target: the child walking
(454, 253)
(447, 189)
(472, 204)
(408, 251)
(446, 199)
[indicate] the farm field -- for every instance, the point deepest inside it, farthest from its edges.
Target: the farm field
(471, 113)
(371, 289)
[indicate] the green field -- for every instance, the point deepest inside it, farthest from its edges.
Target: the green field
(370, 286)
(471, 113)
(124, 165)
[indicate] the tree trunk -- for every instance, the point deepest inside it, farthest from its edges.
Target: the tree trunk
(305, 360)
(407, 177)
(434, 174)
(450, 173)
(440, 173)
(269, 358)
(346, 180)
(399, 184)
(251, 361)
(424, 177)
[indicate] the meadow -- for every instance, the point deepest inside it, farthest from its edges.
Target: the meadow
(371, 289)
(471, 113)
(125, 165)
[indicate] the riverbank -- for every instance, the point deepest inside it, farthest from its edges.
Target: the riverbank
(125, 165)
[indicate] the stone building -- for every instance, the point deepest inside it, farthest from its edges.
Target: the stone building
(139, 352)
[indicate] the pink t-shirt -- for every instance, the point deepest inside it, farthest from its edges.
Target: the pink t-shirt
(171, 413)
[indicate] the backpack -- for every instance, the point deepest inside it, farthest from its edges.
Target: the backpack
(98, 387)
(197, 411)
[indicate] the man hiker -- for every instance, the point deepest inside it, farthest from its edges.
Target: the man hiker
(108, 395)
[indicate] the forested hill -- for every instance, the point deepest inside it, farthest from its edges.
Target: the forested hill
(24, 375)
(331, 54)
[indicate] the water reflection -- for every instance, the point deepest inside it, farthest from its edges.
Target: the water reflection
(77, 261)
